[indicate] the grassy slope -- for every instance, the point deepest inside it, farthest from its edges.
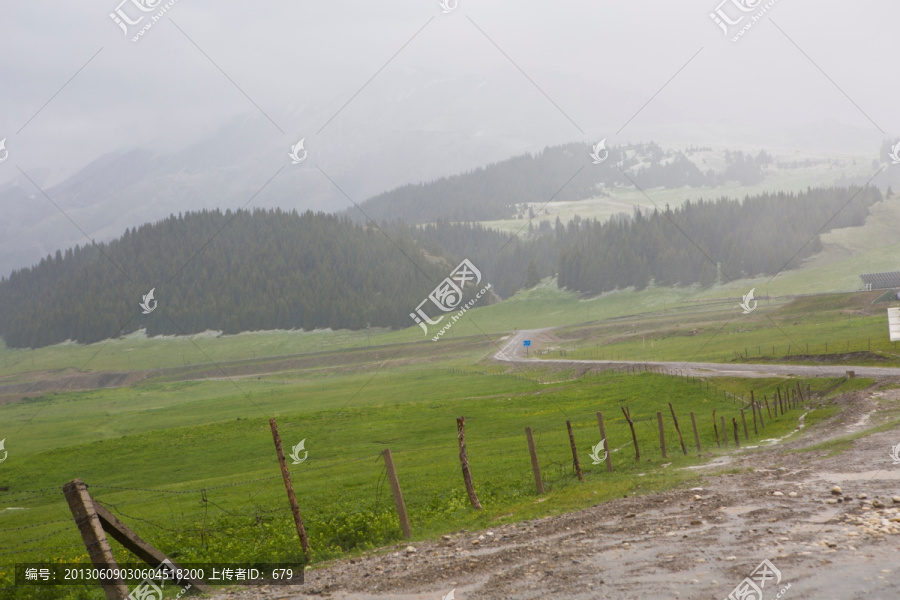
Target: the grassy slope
(346, 504)
(813, 325)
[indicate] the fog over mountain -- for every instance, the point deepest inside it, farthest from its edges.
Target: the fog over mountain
(203, 110)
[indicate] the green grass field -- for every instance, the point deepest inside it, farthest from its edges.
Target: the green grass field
(191, 465)
(838, 329)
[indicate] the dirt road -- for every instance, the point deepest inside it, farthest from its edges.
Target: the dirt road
(513, 351)
(746, 507)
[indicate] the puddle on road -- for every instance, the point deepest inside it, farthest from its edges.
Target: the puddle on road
(464, 590)
(883, 474)
(718, 462)
(736, 511)
(862, 421)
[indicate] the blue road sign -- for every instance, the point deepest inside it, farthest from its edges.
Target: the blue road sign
(526, 343)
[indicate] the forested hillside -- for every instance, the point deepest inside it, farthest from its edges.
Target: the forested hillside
(759, 236)
(260, 270)
(263, 270)
(494, 191)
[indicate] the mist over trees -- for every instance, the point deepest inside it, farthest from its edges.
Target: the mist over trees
(706, 241)
(271, 269)
(564, 173)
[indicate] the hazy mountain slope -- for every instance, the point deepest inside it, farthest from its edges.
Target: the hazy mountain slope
(424, 129)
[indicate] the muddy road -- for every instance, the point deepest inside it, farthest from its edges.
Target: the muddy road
(513, 351)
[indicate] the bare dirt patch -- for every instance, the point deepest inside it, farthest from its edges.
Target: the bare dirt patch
(39, 383)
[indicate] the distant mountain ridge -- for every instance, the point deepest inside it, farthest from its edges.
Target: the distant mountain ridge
(558, 173)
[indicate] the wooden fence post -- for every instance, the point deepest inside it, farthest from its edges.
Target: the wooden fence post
(289, 487)
(716, 428)
(744, 421)
(464, 462)
(766, 398)
(637, 451)
(82, 500)
(609, 466)
(662, 436)
(696, 435)
(575, 462)
(724, 432)
(753, 410)
(123, 534)
(82, 506)
(535, 466)
(398, 493)
(678, 430)
(737, 441)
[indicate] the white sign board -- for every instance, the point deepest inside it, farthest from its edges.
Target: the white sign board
(894, 323)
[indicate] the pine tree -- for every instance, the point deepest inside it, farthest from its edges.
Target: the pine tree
(532, 276)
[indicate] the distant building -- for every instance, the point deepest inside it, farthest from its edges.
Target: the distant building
(881, 281)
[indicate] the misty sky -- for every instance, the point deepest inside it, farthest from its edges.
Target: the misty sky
(598, 61)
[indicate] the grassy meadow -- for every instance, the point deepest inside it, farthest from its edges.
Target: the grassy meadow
(191, 465)
(837, 328)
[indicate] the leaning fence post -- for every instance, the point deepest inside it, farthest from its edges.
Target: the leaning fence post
(766, 398)
(609, 466)
(398, 493)
(678, 430)
(82, 506)
(575, 462)
(737, 441)
(535, 466)
(289, 487)
(716, 428)
(696, 435)
(637, 451)
(662, 436)
(464, 462)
